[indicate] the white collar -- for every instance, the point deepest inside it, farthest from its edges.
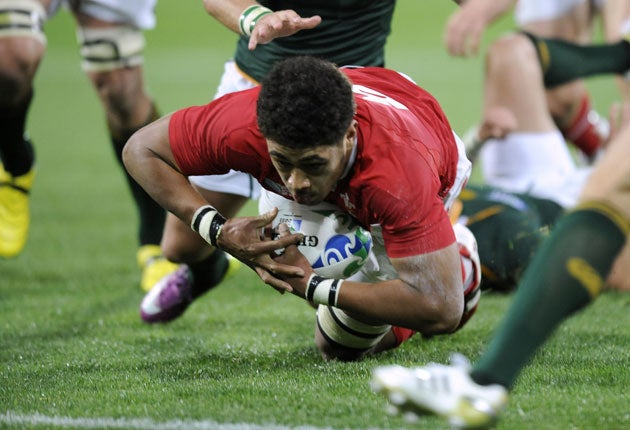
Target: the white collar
(352, 159)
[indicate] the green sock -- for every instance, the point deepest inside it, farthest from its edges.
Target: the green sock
(563, 61)
(566, 274)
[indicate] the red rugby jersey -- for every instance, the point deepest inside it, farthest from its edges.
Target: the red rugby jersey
(406, 157)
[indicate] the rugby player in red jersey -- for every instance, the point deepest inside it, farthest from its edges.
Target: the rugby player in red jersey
(367, 140)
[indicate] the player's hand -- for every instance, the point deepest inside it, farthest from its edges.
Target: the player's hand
(463, 32)
(497, 122)
(293, 257)
(281, 23)
(241, 237)
(464, 29)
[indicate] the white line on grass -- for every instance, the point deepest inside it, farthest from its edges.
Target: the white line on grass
(13, 418)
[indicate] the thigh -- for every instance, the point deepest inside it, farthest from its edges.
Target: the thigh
(566, 19)
(616, 19)
(514, 81)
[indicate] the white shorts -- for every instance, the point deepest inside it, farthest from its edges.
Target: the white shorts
(541, 10)
(135, 13)
(539, 164)
(234, 182)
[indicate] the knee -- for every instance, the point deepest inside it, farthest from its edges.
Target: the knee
(339, 336)
(20, 60)
(332, 351)
(442, 315)
(513, 52)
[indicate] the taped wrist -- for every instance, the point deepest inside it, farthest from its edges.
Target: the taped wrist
(323, 291)
(249, 17)
(208, 222)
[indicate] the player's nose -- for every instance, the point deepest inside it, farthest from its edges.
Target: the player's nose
(298, 180)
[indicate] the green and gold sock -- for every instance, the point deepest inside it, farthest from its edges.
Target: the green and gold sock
(566, 274)
(563, 61)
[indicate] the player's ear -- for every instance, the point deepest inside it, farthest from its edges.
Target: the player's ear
(351, 133)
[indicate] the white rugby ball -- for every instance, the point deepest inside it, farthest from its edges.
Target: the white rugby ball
(334, 242)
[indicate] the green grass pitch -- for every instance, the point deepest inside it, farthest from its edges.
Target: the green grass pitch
(74, 353)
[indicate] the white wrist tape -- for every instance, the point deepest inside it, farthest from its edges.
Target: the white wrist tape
(249, 17)
(323, 291)
(208, 222)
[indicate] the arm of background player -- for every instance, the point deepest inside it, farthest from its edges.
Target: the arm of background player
(465, 27)
(278, 24)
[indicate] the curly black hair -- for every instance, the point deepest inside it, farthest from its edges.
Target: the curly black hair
(304, 102)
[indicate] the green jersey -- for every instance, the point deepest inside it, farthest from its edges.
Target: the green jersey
(352, 32)
(509, 228)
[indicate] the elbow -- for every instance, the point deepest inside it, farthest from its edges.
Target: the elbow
(449, 322)
(445, 324)
(133, 150)
(443, 316)
(128, 152)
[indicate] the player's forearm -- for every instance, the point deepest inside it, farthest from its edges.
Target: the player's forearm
(397, 303)
(490, 10)
(228, 12)
(427, 297)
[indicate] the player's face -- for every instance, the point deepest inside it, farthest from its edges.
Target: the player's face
(311, 174)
